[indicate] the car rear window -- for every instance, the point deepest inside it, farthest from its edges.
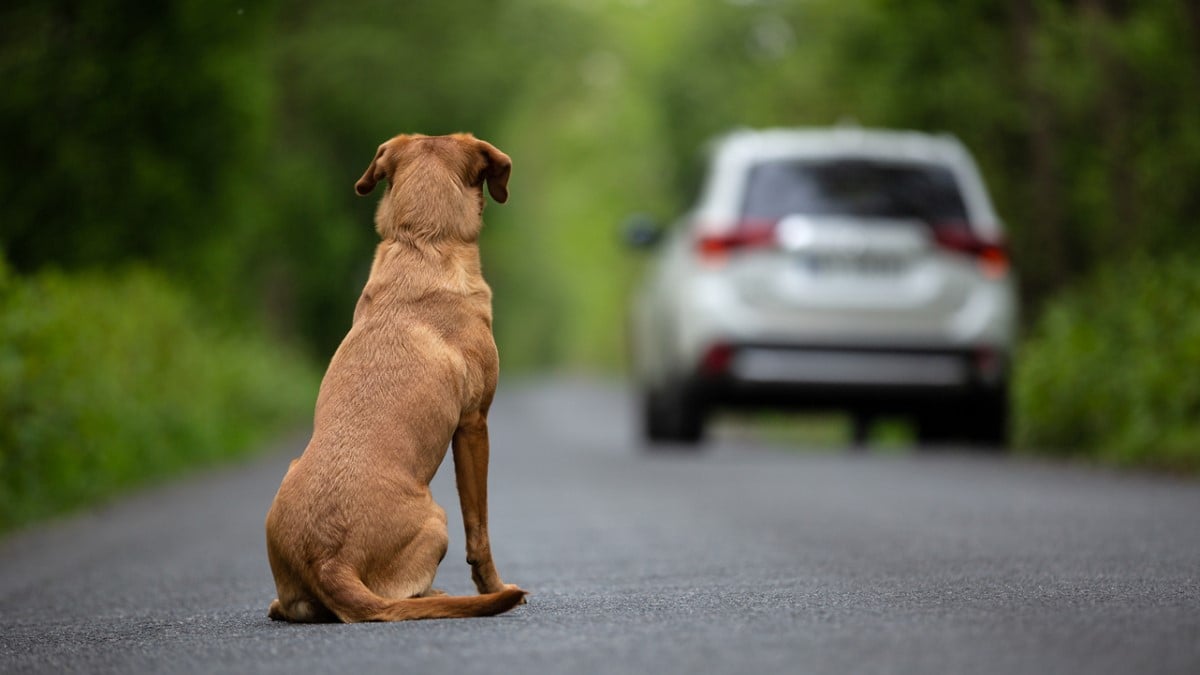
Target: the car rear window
(854, 187)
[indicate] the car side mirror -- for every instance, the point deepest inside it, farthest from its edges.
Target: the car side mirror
(640, 231)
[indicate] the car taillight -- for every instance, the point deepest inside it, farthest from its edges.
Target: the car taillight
(717, 359)
(992, 256)
(745, 234)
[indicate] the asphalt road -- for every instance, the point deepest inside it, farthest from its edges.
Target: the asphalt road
(746, 558)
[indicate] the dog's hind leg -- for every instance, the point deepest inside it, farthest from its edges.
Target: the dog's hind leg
(428, 552)
(410, 573)
(300, 611)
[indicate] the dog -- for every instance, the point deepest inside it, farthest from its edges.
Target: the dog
(353, 533)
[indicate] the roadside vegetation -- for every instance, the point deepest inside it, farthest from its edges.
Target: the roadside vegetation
(1109, 371)
(214, 146)
(110, 380)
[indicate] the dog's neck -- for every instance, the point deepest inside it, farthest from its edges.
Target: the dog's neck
(404, 275)
(427, 205)
(407, 268)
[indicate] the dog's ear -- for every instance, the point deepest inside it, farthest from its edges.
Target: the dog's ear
(375, 172)
(496, 169)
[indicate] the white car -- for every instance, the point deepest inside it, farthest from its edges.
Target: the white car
(839, 268)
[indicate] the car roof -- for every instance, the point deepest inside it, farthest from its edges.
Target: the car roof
(844, 140)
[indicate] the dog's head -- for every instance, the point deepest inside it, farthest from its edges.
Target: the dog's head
(435, 183)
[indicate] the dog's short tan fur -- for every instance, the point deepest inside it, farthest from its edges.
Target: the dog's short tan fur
(354, 533)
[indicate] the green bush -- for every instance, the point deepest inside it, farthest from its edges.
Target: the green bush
(109, 380)
(1112, 369)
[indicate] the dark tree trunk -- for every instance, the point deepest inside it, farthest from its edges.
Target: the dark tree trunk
(1115, 117)
(1045, 236)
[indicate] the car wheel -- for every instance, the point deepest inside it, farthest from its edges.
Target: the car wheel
(987, 420)
(672, 415)
(981, 421)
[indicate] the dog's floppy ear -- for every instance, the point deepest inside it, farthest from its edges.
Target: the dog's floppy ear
(496, 169)
(374, 173)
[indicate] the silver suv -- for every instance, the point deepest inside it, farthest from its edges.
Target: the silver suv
(829, 268)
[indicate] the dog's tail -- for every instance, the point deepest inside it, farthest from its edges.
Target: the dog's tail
(350, 599)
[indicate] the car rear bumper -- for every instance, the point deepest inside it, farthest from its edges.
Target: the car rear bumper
(900, 380)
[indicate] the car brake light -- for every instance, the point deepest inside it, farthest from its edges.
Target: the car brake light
(717, 359)
(991, 256)
(745, 234)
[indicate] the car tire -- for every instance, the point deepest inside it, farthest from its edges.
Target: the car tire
(981, 421)
(672, 415)
(987, 419)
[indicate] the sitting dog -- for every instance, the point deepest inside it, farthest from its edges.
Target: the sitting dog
(354, 533)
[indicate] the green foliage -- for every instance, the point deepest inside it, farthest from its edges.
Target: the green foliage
(108, 380)
(1110, 369)
(128, 129)
(350, 76)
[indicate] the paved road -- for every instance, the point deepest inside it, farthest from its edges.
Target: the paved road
(748, 558)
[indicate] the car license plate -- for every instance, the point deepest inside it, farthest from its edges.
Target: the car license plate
(867, 265)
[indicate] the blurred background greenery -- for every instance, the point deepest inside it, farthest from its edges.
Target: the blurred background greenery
(176, 185)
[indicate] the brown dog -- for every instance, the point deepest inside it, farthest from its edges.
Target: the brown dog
(354, 533)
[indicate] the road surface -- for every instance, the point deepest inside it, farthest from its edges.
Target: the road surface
(746, 558)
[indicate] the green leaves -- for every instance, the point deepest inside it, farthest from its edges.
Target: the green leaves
(1109, 370)
(123, 126)
(109, 380)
